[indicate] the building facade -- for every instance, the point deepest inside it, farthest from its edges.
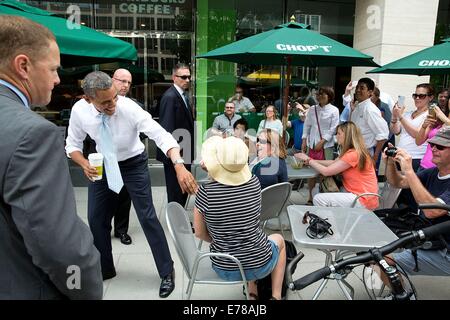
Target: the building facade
(169, 31)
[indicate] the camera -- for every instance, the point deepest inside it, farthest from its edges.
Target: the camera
(431, 111)
(390, 151)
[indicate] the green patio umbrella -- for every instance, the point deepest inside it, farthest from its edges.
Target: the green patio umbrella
(290, 44)
(432, 60)
(78, 46)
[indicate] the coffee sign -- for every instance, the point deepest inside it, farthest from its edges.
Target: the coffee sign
(157, 7)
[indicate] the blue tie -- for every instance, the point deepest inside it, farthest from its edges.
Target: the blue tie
(115, 182)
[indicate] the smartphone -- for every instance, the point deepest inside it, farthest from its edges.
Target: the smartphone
(354, 84)
(431, 111)
(401, 101)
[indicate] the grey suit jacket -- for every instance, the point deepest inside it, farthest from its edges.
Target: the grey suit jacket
(46, 250)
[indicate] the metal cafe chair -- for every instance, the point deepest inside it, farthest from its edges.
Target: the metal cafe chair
(273, 200)
(196, 263)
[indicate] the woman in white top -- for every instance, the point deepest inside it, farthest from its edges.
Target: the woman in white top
(320, 128)
(271, 121)
(408, 124)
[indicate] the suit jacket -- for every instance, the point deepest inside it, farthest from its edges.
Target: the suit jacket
(174, 115)
(46, 250)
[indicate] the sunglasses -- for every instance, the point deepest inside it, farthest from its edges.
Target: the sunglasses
(238, 92)
(183, 77)
(261, 141)
(420, 96)
(438, 147)
(123, 81)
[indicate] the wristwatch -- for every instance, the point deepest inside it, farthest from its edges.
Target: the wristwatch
(177, 161)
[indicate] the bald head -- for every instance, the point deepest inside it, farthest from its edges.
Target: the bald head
(122, 81)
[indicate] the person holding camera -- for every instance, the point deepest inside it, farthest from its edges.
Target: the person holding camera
(356, 167)
(407, 124)
(428, 186)
(434, 121)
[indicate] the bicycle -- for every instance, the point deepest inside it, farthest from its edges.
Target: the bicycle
(411, 239)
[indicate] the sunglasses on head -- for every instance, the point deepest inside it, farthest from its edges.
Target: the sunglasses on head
(261, 141)
(420, 96)
(183, 77)
(438, 147)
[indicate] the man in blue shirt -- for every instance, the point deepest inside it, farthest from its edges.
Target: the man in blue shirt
(428, 186)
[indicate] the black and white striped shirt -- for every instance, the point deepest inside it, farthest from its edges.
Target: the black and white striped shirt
(232, 216)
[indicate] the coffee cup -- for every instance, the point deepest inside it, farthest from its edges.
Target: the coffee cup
(96, 160)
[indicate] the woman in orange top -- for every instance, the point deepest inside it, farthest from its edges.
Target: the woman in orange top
(355, 165)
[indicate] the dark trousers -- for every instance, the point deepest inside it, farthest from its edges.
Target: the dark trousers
(122, 214)
(102, 202)
(174, 193)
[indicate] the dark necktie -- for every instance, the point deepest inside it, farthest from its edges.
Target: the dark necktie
(186, 100)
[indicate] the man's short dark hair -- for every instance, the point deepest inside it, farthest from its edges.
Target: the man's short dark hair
(368, 82)
(179, 66)
(241, 121)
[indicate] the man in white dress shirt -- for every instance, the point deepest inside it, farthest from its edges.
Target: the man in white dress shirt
(368, 119)
(125, 120)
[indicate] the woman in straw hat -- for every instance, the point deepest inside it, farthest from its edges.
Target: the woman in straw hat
(227, 214)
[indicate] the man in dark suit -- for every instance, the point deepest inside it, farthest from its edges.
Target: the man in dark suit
(46, 251)
(177, 117)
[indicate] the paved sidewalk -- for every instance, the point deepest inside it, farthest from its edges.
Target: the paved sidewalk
(137, 278)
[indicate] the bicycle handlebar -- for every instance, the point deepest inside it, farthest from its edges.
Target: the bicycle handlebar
(435, 205)
(420, 235)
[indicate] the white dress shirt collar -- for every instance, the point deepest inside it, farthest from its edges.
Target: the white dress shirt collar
(180, 91)
(17, 92)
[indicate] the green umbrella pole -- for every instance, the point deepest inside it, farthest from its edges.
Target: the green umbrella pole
(286, 91)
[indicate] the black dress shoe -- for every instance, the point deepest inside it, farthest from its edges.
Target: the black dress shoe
(167, 285)
(124, 238)
(108, 274)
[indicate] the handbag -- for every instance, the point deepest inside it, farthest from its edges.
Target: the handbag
(318, 227)
(328, 184)
(317, 155)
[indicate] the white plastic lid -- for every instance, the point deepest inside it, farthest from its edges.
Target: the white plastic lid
(95, 156)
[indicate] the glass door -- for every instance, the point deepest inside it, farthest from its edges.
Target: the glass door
(158, 52)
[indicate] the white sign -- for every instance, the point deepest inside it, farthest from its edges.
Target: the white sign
(434, 63)
(299, 47)
(160, 7)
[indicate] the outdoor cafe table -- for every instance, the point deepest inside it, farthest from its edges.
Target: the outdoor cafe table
(355, 229)
(302, 173)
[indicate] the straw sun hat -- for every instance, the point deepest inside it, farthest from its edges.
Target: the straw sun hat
(226, 160)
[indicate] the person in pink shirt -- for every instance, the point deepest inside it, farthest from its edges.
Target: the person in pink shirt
(357, 169)
(429, 128)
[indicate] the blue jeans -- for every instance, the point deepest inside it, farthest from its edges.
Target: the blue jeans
(251, 274)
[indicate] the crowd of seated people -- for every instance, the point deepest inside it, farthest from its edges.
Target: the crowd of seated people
(360, 135)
